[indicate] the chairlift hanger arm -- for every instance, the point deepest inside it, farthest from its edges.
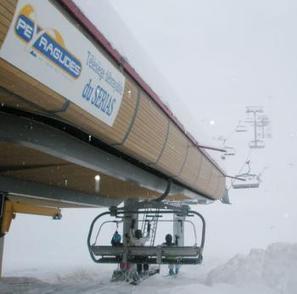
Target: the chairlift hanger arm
(236, 178)
(212, 148)
(90, 233)
(114, 221)
(166, 192)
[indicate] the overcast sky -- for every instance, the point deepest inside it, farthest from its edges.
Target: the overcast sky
(219, 52)
(218, 57)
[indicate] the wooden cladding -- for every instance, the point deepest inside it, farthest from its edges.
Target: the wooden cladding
(7, 8)
(141, 129)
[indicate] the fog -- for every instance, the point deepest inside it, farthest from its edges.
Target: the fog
(214, 58)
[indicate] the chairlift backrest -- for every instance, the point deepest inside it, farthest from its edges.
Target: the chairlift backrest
(258, 144)
(241, 128)
(229, 151)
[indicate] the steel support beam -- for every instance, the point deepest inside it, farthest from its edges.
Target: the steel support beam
(41, 137)
(47, 192)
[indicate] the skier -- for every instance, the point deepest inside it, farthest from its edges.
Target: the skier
(172, 267)
(116, 239)
(139, 240)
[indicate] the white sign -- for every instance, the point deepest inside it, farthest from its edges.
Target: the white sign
(45, 45)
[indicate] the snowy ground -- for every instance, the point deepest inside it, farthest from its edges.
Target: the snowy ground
(270, 271)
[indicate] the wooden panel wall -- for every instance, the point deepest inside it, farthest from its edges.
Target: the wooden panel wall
(148, 133)
(7, 8)
(140, 130)
(192, 165)
(204, 177)
(174, 154)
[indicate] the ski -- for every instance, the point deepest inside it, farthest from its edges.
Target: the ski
(141, 278)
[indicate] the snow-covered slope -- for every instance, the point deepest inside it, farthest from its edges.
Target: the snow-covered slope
(275, 267)
(270, 271)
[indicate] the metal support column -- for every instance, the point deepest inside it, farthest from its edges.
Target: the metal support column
(1, 254)
(2, 200)
(178, 229)
(130, 205)
(129, 218)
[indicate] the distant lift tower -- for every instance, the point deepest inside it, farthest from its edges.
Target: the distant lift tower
(255, 110)
(263, 122)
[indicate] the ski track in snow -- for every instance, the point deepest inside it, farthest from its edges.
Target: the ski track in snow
(270, 271)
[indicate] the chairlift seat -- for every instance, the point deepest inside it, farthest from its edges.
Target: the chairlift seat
(241, 129)
(229, 151)
(154, 260)
(257, 144)
(166, 251)
(248, 181)
(245, 185)
(152, 254)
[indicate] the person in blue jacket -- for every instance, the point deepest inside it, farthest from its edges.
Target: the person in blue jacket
(116, 239)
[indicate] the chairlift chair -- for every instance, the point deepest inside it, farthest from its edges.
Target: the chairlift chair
(246, 181)
(229, 151)
(241, 128)
(153, 254)
(258, 144)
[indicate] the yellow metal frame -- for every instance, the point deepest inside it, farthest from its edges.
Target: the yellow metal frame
(11, 208)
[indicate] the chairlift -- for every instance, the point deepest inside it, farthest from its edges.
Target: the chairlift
(241, 128)
(127, 253)
(246, 180)
(229, 151)
(256, 144)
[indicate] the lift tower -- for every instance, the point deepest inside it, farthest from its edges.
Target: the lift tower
(255, 110)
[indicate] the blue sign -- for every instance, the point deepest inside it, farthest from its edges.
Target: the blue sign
(47, 46)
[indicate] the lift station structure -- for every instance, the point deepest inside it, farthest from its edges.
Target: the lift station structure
(79, 127)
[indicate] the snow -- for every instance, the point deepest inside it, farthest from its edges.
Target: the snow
(275, 267)
(269, 271)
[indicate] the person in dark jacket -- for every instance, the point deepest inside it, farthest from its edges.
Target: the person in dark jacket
(172, 267)
(116, 239)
